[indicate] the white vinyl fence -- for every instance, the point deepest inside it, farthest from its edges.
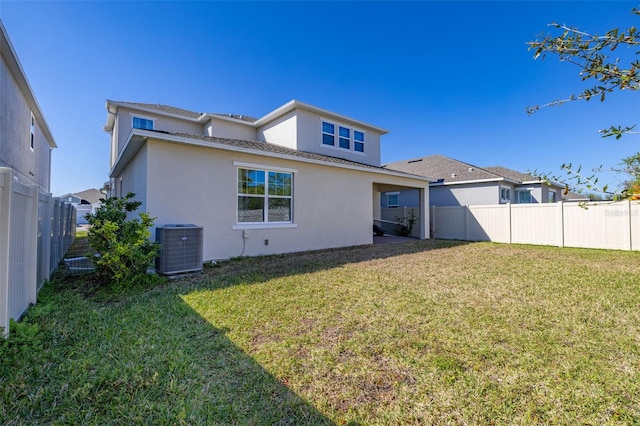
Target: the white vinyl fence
(35, 232)
(604, 225)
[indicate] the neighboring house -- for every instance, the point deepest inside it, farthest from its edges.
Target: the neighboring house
(25, 139)
(85, 202)
(458, 183)
(298, 178)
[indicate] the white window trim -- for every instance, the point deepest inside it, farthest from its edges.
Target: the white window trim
(266, 169)
(393, 193)
(144, 117)
(505, 200)
(528, 190)
(336, 135)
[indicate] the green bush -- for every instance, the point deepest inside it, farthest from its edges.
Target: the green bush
(124, 251)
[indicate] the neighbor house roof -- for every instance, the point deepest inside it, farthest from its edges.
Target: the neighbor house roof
(91, 195)
(513, 174)
(139, 136)
(448, 171)
(444, 169)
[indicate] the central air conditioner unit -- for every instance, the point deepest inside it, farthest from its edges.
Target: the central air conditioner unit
(180, 249)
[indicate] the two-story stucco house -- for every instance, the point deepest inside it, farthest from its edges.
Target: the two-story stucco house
(458, 183)
(25, 139)
(298, 178)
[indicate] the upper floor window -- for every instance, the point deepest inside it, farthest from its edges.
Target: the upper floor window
(264, 196)
(348, 138)
(505, 194)
(32, 133)
(552, 196)
(142, 123)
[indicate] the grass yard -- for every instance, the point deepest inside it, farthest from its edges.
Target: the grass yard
(428, 332)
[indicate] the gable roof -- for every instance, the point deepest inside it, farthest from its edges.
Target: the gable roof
(139, 136)
(91, 195)
(444, 169)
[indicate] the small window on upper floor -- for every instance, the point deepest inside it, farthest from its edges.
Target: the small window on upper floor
(348, 139)
(553, 196)
(32, 133)
(142, 123)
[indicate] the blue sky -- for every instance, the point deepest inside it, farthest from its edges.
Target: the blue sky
(451, 78)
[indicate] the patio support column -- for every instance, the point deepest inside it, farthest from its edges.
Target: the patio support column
(377, 209)
(423, 203)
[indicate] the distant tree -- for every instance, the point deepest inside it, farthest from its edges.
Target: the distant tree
(589, 53)
(630, 166)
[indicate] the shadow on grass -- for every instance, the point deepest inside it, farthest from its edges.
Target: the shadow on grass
(152, 358)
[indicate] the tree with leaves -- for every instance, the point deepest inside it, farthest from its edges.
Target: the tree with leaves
(593, 55)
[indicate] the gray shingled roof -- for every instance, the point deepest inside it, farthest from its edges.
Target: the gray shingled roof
(440, 167)
(238, 117)
(91, 195)
(512, 174)
(277, 149)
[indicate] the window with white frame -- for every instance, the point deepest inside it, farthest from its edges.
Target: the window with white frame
(553, 197)
(264, 196)
(524, 196)
(392, 199)
(348, 138)
(142, 123)
(505, 194)
(32, 133)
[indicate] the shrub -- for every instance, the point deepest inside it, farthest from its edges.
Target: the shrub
(404, 225)
(124, 251)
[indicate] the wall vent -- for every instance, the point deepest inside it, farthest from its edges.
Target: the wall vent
(180, 249)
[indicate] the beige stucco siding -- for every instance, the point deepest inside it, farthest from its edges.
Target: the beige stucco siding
(31, 166)
(134, 178)
(226, 129)
(187, 184)
(283, 132)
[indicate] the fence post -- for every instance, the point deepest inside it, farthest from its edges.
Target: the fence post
(509, 223)
(561, 224)
(6, 178)
(466, 222)
(628, 226)
(31, 275)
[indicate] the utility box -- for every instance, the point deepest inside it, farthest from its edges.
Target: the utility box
(180, 249)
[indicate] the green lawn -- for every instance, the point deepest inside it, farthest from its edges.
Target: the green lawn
(428, 332)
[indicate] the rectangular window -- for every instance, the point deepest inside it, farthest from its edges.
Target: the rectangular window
(142, 123)
(349, 139)
(359, 141)
(552, 196)
(264, 196)
(345, 137)
(524, 197)
(32, 133)
(328, 133)
(505, 194)
(392, 199)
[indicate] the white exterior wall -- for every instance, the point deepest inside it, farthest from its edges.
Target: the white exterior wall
(331, 207)
(226, 129)
(283, 131)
